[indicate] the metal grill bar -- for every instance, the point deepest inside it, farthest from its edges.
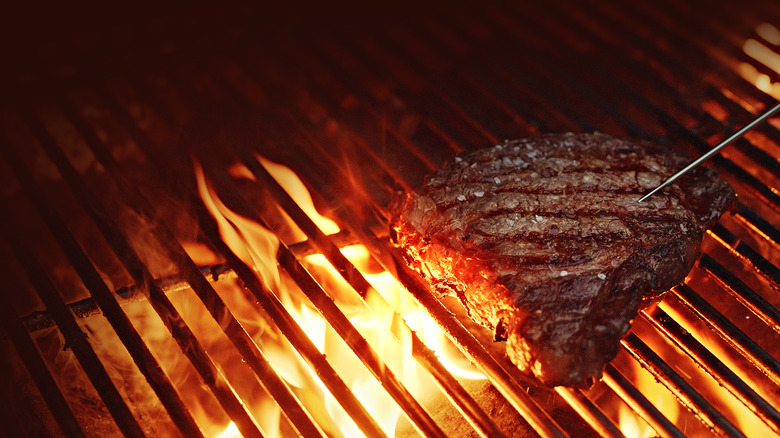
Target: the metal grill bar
(208, 370)
(36, 366)
(232, 328)
(713, 366)
(746, 253)
(285, 322)
(681, 389)
(343, 327)
(215, 273)
(758, 224)
(65, 320)
(742, 292)
(88, 306)
(350, 273)
(135, 345)
(338, 321)
(590, 412)
(757, 156)
(279, 315)
(639, 403)
(729, 332)
(680, 131)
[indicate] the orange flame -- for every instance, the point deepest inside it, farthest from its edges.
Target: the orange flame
(629, 423)
(384, 318)
(721, 398)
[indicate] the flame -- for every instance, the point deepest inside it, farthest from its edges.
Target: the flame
(384, 317)
(231, 431)
(721, 398)
(633, 426)
(201, 254)
(295, 188)
(251, 242)
(711, 389)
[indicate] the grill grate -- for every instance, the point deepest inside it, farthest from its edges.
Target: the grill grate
(359, 112)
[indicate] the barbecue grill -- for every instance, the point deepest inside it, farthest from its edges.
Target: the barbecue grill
(195, 239)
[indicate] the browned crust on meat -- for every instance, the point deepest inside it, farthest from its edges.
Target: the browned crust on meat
(544, 242)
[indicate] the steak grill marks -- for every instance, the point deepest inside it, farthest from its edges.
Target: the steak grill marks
(549, 334)
(430, 116)
(493, 215)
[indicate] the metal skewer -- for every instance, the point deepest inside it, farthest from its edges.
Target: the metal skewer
(713, 151)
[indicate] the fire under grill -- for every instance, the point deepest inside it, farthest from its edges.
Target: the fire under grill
(165, 275)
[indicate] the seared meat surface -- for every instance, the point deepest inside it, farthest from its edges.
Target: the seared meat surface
(543, 240)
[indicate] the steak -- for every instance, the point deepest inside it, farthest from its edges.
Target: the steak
(544, 242)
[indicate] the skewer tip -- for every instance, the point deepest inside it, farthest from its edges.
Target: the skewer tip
(647, 195)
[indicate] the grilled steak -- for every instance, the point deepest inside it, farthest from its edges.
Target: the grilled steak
(543, 240)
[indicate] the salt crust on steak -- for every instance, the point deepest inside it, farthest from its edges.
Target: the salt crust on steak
(543, 241)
